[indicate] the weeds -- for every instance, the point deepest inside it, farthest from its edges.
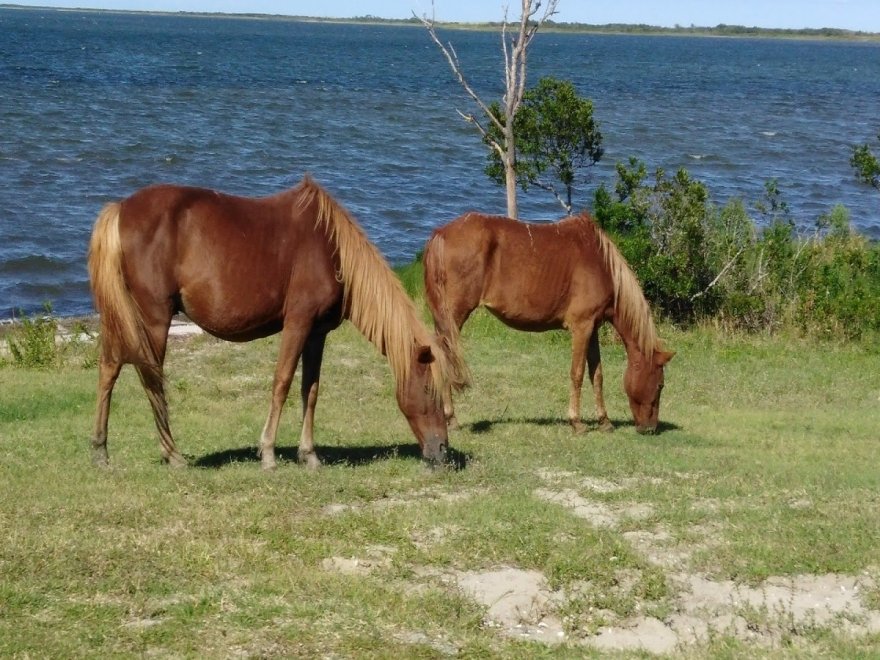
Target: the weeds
(31, 342)
(40, 341)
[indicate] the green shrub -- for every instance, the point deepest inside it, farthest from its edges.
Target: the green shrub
(32, 341)
(697, 262)
(840, 286)
(662, 231)
(81, 346)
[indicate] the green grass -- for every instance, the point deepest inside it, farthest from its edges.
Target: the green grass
(767, 466)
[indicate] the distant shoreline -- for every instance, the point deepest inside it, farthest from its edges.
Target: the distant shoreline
(619, 29)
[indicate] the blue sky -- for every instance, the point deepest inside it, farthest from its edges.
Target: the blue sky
(847, 14)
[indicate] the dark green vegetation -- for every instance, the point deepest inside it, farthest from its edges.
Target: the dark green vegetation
(641, 29)
(720, 30)
(866, 164)
(742, 268)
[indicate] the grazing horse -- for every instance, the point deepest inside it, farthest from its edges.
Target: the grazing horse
(241, 268)
(537, 277)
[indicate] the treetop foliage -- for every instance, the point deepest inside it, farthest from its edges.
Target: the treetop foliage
(557, 137)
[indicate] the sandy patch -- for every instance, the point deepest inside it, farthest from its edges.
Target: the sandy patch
(416, 497)
(441, 646)
(375, 557)
(184, 329)
(704, 607)
(642, 634)
(517, 602)
(799, 601)
(597, 513)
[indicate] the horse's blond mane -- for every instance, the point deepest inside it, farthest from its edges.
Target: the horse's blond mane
(374, 298)
(629, 300)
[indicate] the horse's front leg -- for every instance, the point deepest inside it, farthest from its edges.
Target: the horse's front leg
(449, 409)
(594, 364)
(579, 336)
(311, 375)
(292, 341)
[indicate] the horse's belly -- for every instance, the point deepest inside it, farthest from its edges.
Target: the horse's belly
(239, 320)
(531, 320)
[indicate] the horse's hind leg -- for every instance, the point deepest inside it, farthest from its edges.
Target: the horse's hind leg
(594, 364)
(108, 372)
(154, 384)
(450, 330)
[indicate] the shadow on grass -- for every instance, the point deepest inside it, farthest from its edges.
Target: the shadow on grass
(455, 460)
(486, 425)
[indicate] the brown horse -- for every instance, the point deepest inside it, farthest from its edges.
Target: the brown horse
(294, 263)
(537, 277)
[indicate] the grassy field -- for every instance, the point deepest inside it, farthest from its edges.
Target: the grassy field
(749, 526)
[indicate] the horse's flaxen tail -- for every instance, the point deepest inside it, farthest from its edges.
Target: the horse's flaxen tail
(124, 338)
(438, 301)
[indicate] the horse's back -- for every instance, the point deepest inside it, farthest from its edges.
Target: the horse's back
(224, 260)
(191, 213)
(195, 234)
(478, 235)
(534, 276)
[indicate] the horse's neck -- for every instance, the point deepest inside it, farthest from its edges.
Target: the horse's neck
(628, 336)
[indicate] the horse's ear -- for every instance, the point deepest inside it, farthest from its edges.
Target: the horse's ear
(424, 355)
(662, 357)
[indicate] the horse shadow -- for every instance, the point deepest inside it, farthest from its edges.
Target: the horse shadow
(350, 456)
(486, 425)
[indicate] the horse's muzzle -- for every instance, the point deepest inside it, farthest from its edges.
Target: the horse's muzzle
(435, 455)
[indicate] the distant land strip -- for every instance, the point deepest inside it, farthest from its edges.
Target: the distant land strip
(721, 30)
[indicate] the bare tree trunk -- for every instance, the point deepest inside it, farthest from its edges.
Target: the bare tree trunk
(510, 176)
(515, 84)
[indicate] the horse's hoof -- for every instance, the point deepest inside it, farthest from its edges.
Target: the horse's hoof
(100, 457)
(310, 460)
(452, 424)
(577, 426)
(175, 460)
(268, 466)
(605, 426)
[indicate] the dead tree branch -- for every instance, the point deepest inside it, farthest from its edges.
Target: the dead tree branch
(514, 50)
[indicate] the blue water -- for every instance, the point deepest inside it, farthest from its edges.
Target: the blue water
(94, 106)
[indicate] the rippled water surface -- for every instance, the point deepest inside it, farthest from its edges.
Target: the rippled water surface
(96, 105)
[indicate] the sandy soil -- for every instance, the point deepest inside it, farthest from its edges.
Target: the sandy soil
(520, 604)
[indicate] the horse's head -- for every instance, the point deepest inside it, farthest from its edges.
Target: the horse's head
(422, 406)
(643, 382)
